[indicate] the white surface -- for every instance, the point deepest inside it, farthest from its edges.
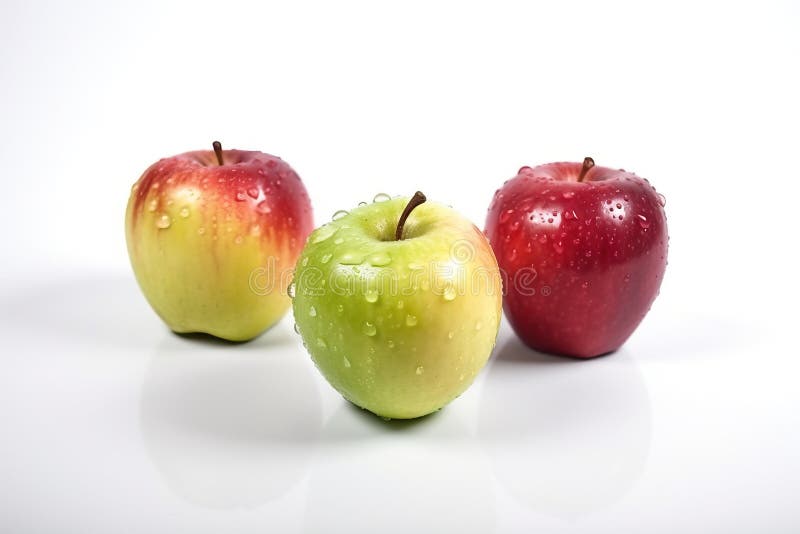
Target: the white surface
(110, 424)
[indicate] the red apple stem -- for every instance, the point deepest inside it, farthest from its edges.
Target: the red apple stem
(415, 201)
(588, 163)
(218, 151)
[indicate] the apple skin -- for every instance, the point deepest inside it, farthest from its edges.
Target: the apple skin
(399, 328)
(208, 243)
(583, 260)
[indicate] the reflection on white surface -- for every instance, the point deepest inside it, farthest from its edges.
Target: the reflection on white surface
(230, 425)
(375, 476)
(566, 437)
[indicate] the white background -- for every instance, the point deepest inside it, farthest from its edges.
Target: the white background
(108, 423)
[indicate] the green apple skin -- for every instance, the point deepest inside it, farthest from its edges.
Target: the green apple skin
(209, 243)
(399, 328)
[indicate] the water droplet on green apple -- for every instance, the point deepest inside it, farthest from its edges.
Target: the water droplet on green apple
(339, 214)
(380, 259)
(478, 325)
(420, 370)
(325, 258)
(400, 304)
(351, 258)
(381, 197)
(323, 233)
(164, 221)
(450, 292)
(369, 329)
(338, 241)
(450, 334)
(411, 320)
(371, 296)
(362, 204)
(291, 290)
(296, 329)
(321, 343)
(312, 311)
(414, 266)
(346, 362)
(390, 343)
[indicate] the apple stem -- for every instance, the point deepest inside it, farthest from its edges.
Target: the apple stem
(415, 201)
(588, 163)
(218, 151)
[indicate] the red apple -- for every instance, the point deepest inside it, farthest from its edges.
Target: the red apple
(213, 237)
(583, 250)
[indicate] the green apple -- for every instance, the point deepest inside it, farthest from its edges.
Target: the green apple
(398, 303)
(209, 235)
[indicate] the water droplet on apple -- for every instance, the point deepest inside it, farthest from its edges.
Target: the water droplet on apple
(558, 247)
(506, 215)
(608, 201)
(626, 198)
(241, 196)
(339, 214)
(322, 233)
(252, 192)
(296, 329)
(619, 206)
(351, 258)
(304, 261)
(449, 292)
(621, 217)
(325, 258)
(255, 230)
(550, 219)
(415, 266)
(662, 200)
(291, 290)
(362, 204)
(400, 304)
(643, 222)
(369, 329)
(478, 325)
(380, 259)
(627, 278)
(152, 205)
(321, 343)
(263, 207)
(512, 255)
(339, 308)
(585, 284)
(450, 334)
(420, 370)
(568, 194)
(312, 311)
(523, 170)
(201, 230)
(411, 320)
(238, 240)
(381, 197)
(338, 241)
(164, 221)
(371, 296)
(543, 239)
(346, 362)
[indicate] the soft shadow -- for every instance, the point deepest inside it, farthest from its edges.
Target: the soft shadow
(420, 475)
(567, 437)
(227, 427)
(105, 311)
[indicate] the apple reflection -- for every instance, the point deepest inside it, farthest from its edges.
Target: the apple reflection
(566, 437)
(230, 425)
(422, 475)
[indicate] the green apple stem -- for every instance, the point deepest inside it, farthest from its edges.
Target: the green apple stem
(415, 201)
(588, 163)
(218, 151)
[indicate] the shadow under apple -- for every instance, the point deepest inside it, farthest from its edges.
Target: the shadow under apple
(226, 427)
(421, 475)
(566, 437)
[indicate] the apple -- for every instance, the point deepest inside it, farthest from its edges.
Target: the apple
(398, 302)
(583, 250)
(209, 235)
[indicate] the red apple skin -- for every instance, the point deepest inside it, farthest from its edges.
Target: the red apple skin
(582, 260)
(222, 222)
